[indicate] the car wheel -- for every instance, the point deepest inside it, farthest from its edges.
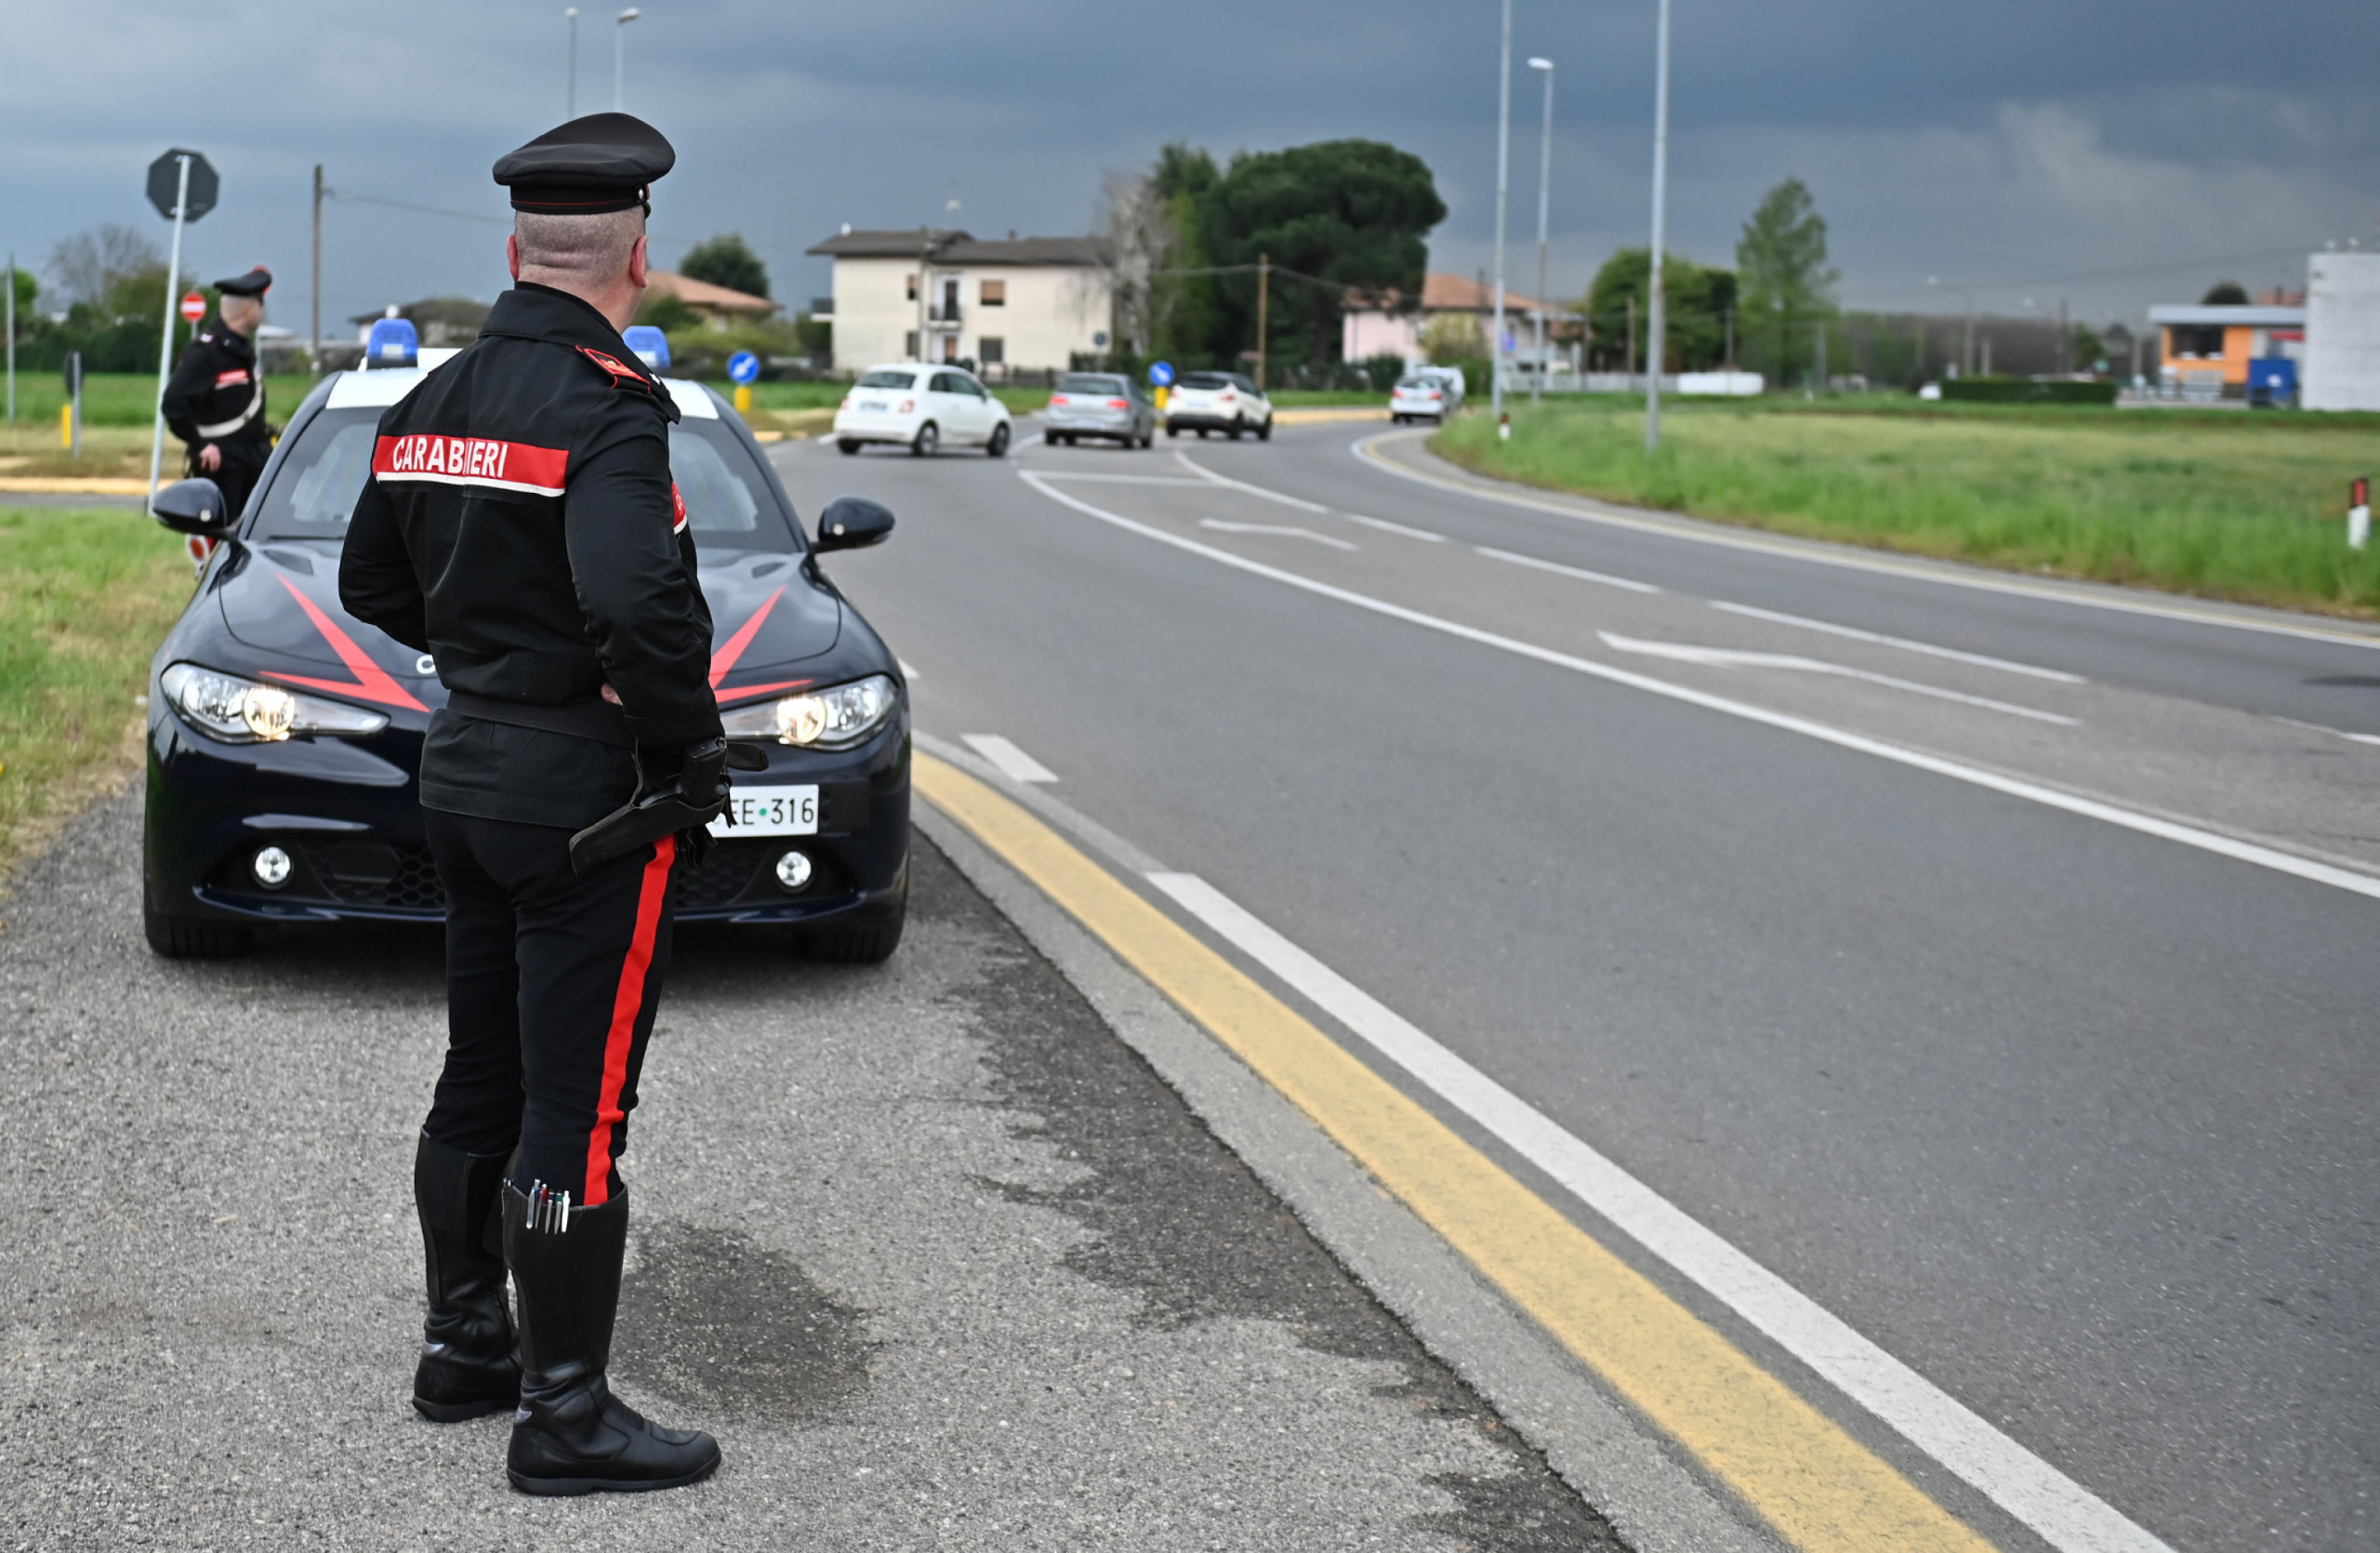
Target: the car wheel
(871, 944)
(927, 441)
(1202, 434)
(1148, 439)
(190, 937)
(1173, 430)
(1265, 432)
(1235, 432)
(846, 445)
(998, 447)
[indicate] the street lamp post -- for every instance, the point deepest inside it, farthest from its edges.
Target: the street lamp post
(1544, 207)
(1967, 345)
(620, 58)
(1661, 222)
(1504, 191)
(570, 95)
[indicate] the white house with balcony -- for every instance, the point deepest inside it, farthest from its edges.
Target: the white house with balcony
(1007, 304)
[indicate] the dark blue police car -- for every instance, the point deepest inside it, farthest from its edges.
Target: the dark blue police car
(284, 736)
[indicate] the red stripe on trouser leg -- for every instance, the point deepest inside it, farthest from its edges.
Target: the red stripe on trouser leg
(625, 1006)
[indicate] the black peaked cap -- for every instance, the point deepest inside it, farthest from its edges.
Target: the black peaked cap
(591, 165)
(255, 283)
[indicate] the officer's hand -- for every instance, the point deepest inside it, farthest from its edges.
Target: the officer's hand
(703, 777)
(210, 457)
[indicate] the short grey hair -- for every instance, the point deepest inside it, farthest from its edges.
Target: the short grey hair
(588, 249)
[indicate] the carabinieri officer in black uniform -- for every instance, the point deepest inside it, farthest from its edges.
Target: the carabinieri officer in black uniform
(522, 527)
(214, 403)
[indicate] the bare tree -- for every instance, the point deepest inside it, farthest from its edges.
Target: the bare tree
(1140, 240)
(84, 268)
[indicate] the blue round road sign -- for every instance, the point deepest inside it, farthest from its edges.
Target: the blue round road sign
(743, 367)
(1160, 374)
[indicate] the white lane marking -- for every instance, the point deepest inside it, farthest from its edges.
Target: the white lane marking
(1387, 527)
(1730, 658)
(1121, 479)
(1579, 572)
(2014, 787)
(2065, 1514)
(907, 673)
(1209, 475)
(1904, 644)
(1679, 530)
(1284, 530)
(2325, 728)
(1013, 762)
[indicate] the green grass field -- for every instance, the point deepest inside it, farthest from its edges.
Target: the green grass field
(2249, 507)
(88, 592)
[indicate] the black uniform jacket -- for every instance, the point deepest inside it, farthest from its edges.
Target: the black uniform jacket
(217, 395)
(521, 527)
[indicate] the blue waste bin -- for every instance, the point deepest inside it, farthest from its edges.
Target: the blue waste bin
(2272, 381)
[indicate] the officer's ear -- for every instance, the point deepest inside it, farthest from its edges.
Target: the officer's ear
(636, 263)
(513, 254)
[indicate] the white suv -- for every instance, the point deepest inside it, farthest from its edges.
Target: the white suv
(1426, 393)
(1225, 401)
(920, 407)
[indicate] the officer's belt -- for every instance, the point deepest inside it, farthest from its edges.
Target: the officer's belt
(599, 721)
(255, 403)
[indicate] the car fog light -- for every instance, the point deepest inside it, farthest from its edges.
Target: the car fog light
(271, 866)
(793, 872)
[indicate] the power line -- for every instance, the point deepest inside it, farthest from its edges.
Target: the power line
(346, 197)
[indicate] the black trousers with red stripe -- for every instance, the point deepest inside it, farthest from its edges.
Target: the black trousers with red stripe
(552, 979)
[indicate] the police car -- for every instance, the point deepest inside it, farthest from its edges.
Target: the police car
(284, 736)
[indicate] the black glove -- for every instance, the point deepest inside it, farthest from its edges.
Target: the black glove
(678, 792)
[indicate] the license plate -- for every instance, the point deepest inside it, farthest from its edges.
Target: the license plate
(871, 404)
(770, 811)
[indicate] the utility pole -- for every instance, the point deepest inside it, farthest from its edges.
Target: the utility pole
(570, 93)
(1263, 314)
(1544, 207)
(620, 58)
(12, 337)
(1628, 363)
(1660, 228)
(1503, 196)
(315, 348)
(166, 343)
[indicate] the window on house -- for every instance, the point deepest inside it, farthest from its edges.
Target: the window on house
(910, 345)
(2198, 339)
(910, 293)
(991, 349)
(995, 295)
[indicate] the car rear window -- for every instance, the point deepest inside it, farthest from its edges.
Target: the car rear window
(729, 503)
(888, 380)
(1081, 382)
(1205, 380)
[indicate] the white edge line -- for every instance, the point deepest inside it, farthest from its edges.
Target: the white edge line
(1299, 502)
(2065, 1514)
(1979, 659)
(1014, 762)
(1120, 479)
(1387, 527)
(1285, 530)
(1579, 572)
(1679, 530)
(2048, 797)
(1729, 657)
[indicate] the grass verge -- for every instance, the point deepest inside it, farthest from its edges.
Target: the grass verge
(2243, 507)
(88, 592)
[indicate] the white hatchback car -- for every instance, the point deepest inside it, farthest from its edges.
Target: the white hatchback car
(921, 407)
(1426, 393)
(1225, 401)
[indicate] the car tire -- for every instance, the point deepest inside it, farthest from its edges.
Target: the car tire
(190, 937)
(927, 441)
(998, 447)
(846, 445)
(872, 945)
(1235, 432)
(1202, 434)
(1173, 430)
(1265, 432)
(1148, 439)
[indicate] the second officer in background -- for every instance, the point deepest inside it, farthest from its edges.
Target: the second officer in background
(214, 403)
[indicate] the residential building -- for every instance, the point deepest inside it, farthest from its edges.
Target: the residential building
(1375, 327)
(1007, 304)
(722, 307)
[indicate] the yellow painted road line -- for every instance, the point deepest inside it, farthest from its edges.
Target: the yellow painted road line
(1318, 415)
(1820, 1488)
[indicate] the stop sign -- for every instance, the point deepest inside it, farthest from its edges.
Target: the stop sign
(193, 307)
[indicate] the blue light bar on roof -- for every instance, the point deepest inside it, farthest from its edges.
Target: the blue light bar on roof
(392, 343)
(652, 347)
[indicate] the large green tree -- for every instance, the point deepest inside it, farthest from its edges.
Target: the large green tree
(1786, 287)
(1700, 298)
(727, 261)
(1184, 316)
(1346, 215)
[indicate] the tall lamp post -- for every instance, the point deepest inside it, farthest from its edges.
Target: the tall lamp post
(570, 93)
(1544, 207)
(1503, 191)
(620, 58)
(1966, 346)
(1658, 350)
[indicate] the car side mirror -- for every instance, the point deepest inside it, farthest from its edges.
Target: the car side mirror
(849, 523)
(192, 507)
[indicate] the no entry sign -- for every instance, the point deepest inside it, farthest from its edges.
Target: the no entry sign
(193, 307)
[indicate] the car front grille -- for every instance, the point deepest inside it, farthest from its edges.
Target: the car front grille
(398, 874)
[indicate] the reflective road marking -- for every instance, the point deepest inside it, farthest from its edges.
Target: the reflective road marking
(1731, 658)
(1015, 764)
(1904, 644)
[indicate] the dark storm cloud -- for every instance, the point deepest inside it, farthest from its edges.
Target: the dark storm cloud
(2110, 154)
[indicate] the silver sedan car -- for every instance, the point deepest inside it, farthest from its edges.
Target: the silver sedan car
(1100, 404)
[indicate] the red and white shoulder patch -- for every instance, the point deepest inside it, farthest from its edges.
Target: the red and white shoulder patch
(622, 373)
(678, 507)
(237, 375)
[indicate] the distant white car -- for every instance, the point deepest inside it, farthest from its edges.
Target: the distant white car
(1225, 401)
(923, 408)
(1425, 396)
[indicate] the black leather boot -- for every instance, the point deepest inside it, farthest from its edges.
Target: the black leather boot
(466, 1368)
(572, 1435)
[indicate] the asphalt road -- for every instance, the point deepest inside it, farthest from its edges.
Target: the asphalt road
(2073, 1117)
(940, 1260)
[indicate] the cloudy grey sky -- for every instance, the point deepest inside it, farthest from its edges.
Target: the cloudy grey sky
(2112, 156)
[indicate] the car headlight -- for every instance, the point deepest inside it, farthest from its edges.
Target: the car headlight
(247, 711)
(835, 718)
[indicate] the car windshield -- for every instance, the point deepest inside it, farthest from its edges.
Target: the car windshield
(729, 503)
(888, 380)
(1080, 383)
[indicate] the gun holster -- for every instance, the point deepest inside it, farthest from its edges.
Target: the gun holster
(688, 799)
